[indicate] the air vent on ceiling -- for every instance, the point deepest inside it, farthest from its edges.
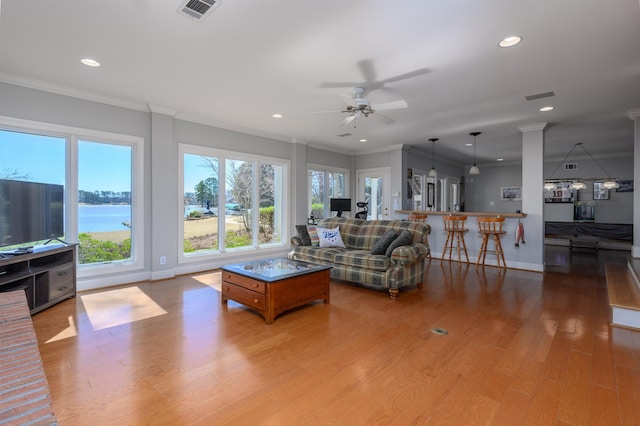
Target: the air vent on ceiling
(539, 96)
(344, 135)
(570, 166)
(198, 9)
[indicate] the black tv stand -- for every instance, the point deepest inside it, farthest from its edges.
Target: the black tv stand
(47, 276)
(17, 252)
(339, 213)
(56, 239)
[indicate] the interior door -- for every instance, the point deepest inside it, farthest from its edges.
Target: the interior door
(373, 189)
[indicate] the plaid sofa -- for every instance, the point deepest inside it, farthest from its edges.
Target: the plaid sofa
(355, 263)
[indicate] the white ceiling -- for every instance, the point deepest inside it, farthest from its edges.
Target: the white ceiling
(252, 58)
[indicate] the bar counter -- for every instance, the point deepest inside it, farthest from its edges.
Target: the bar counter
(515, 255)
(469, 214)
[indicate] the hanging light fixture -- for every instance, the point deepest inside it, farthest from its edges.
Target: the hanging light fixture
(474, 170)
(577, 184)
(433, 172)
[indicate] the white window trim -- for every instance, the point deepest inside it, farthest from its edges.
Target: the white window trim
(72, 135)
(223, 155)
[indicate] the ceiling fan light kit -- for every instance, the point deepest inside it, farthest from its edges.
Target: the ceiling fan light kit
(359, 107)
(474, 170)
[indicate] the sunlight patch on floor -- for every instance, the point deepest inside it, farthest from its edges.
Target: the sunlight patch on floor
(70, 331)
(212, 280)
(117, 307)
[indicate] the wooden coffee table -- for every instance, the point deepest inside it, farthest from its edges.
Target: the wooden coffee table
(275, 285)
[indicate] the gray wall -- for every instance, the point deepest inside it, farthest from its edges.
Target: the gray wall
(482, 191)
(420, 160)
(617, 209)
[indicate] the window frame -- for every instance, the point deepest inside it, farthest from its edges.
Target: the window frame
(223, 155)
(73, 135)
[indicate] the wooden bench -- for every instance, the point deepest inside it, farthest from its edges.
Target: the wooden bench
(624, 294)
(24, 391)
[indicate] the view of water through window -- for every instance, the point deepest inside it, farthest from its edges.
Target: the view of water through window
(104, 170)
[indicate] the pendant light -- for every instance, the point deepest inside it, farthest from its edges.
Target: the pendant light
(433, 172)
(577, 184)
(474, 170)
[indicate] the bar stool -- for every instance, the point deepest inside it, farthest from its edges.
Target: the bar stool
(418, 217)
(454, 227)
(491, 226)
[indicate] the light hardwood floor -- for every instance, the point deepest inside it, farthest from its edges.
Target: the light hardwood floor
(523, 348)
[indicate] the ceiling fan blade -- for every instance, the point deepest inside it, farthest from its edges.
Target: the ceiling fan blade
(384, 118)
(390, 105)
(324, 112)
(330, 85)
(405, 76)
(367, 69)
(348, 119)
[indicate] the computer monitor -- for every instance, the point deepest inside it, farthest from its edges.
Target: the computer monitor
(340, 205)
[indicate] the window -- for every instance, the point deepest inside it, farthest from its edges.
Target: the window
(231, 201)
(101, 174)
(104, 202)
(325, 183)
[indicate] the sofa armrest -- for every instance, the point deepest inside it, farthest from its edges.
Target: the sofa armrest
(405, 255)
(296, 241)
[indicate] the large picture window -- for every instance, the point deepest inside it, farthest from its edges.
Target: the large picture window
(230, 201)
(100, 173)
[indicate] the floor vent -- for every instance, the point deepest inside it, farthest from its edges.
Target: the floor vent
(539, 96)
(198, 9)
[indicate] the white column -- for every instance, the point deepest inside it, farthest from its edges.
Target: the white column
(164, 221)
(634, 115)
(533, 194)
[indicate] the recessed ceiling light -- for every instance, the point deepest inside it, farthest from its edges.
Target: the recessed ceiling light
(499, 159)
(90, 62)
(468, 144)
(547, 108)
(277, 115)
(510, 41)
(363, 140)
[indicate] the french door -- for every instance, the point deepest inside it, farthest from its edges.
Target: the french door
(373, 189)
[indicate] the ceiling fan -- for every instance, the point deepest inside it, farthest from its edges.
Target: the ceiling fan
(371, 82)
(358, 107)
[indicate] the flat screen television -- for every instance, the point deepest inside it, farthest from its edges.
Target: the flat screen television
(584, 212)
(30, 212)
(340, 205)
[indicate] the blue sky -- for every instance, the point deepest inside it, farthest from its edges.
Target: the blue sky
(102, 167)
(42, 158)
(195, 171)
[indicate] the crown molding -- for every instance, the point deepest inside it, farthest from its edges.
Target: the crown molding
(633, 113)
(533, 127)
(31, 83)
(157, 109)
